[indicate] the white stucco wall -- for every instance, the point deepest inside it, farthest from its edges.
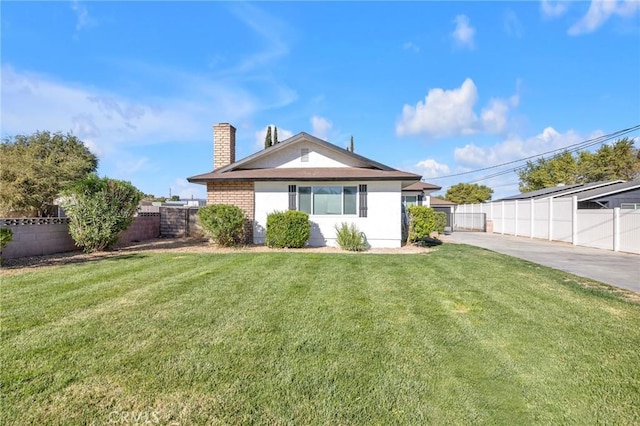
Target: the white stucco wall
(382, 226)
(319, 156)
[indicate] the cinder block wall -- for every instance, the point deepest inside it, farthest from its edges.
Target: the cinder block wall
(144, 227)
(179, 222)
(42, 236)
(37, 237)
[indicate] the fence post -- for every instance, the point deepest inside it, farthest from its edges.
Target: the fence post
(616, 229)
(515, 227)
(502, 220)
(574, 220)
(550, 224)
(531, 218)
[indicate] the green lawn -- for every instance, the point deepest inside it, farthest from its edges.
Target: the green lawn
(457, 336)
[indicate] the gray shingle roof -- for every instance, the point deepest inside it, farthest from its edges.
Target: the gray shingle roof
(608, 190)
(559, 191)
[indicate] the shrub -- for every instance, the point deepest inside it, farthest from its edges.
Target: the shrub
(223, 223)
(100, 208)
(349, 237)
(290, 229)
(423, 221)
(6, 235)
(441, 222)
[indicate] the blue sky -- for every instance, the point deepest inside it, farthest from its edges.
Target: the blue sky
(435, 88)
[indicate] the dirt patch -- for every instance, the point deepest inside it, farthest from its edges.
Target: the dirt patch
(175, 245)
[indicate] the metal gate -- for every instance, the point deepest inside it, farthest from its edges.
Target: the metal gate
(470, 222)
(448, 214)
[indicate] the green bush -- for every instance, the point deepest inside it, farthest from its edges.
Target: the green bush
(423, 221)
(349, 237)
(441, 221)
(290, 229)
(6, 235)
(99, 209)
(223, 223)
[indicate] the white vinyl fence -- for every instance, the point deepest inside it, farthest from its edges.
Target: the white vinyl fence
(558, 219)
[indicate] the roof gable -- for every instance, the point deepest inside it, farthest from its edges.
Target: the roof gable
(287, 154)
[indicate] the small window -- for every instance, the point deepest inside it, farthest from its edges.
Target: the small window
(304, 199)
(409, 200)
(630, 206)
(349, 194)
(304, 155)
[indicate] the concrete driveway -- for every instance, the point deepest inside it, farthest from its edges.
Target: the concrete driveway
(614, 268)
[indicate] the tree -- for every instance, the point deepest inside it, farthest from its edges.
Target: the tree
(275, 135)
(469, 193)
(37, 167)
(267, 139)
(545, 173)
(618, 161)
(100, 208)
(621, 160)
(351, 144)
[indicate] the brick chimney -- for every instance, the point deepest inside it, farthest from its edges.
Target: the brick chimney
(224, 145)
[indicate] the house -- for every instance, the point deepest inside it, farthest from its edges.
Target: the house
(418, 194)
(558, 191)
(593, 195)
(308, 174)
(625, 195)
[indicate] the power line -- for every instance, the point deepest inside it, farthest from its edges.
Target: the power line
(574, 147)
(582, 145)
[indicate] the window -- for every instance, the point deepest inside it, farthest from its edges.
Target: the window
(349, 199)
(410, 200)
(630, 206)
(328, 200)
(304, 199)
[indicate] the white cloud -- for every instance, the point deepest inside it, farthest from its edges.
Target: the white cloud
(83, 20)
(283, 134)
(430, 167)
(463, 34)
(321, 127)
(512, 24)
(600, 11)
(447, 113)
(515, 148)
(553, 9)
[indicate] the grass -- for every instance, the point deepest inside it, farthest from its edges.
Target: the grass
(461, 335)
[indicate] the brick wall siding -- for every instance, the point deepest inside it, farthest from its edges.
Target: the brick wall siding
(239, 194)
(224, 145)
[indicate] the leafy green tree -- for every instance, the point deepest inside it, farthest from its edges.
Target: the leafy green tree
(100, 208)
(620, 160)
(175, 198)
(267, 139)
(275, 135)
(469, 193)
(547, 172)
(37, 167)
(617, 161)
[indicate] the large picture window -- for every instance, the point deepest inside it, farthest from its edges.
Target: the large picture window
(328, 200)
